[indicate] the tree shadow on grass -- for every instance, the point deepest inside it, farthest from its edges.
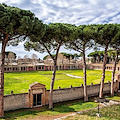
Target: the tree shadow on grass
(59, 108)
(12, 115)
(74, 106)
(24, 113)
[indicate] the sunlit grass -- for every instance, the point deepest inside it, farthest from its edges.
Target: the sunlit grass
(116, 97)
(19, 81)
(107, 113)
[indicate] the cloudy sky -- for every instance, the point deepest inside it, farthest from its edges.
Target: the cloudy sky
(68, 11)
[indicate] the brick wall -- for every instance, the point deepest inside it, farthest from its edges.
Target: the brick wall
(93, 90)
(67, 94)
(73, 93)
(17, 101)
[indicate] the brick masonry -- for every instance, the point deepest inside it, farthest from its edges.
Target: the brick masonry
(17, 101)
(25, 100)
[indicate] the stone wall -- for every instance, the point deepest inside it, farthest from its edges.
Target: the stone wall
(73, 93)
(16, 101)
(67, 94)
(93, 90)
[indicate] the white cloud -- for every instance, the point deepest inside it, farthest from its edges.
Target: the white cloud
(11, 1)
(74, 11)
(71, 11)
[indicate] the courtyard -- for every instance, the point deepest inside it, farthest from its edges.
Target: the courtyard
(20, 81)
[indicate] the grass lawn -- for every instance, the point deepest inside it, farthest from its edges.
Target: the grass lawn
(107, 113)
(19, 81)
(116, 97)
(44, 113)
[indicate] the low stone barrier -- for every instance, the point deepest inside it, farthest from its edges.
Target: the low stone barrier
(17, 101)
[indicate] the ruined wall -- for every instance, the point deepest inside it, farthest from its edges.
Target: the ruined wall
(93, 90)
(73, 93)
(67, 94)
(16, 101)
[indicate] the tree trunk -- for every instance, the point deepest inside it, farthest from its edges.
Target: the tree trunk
(113, 75)
(84, 72)
(94, 60)
(103, 74)
(52, 85)
(98, 59)
(2, 59)
(53, 75)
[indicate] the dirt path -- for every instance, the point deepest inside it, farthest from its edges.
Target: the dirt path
(73, 76)
(47, 117)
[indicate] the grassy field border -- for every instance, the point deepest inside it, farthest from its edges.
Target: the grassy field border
(20, 81)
